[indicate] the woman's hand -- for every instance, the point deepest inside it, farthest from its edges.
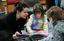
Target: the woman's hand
(14, 35)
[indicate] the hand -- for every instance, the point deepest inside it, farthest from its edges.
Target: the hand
(17, 32)
(50, 36)
(34, 31)
(14, 35)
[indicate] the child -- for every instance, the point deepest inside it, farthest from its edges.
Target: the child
(55, 16)
(38, 19)
(37, 22)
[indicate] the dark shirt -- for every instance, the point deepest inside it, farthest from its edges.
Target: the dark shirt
(58, 30)
(10, 24)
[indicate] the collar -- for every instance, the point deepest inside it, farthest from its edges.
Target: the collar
(54, 23)
(57, 22)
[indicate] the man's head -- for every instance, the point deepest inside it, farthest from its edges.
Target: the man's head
(54, 14)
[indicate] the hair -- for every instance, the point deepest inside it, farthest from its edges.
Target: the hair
(17, 3)
(55, 12)
(38, 8)
(19, 6)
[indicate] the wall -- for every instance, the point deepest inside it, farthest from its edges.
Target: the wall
(50, 3)
(2, 7)
(10, 7)
(47, 3)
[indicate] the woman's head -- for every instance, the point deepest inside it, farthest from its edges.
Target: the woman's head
(21, 9)
(38, 10)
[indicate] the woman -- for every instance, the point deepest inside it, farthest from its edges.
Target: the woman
(13, 22)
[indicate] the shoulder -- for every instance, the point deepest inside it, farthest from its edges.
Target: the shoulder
(9, 16)
(59, 25)
(45, 16)
(32, 16)
(60, 22)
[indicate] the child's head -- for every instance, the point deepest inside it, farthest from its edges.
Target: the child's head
(38, 10)
(54, 14)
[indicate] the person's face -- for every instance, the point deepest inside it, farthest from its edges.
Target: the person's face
(38, 15)
(23, 13)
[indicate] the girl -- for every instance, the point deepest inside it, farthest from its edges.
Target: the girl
(37, 22)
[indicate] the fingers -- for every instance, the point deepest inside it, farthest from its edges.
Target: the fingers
(50, 36)
(14, 36)
(17, 32)
(33, 30)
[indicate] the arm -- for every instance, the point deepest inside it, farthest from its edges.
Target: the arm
(45, 26)
(10, 28)
(58, 31)
(50, 29)
(14, 35)
(29, 23)
(9, 25)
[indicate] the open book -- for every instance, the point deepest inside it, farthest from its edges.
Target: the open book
(36, 35)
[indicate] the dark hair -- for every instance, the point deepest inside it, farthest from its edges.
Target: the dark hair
(38, 8)
(17, 3)
(55, 13)
(19, 6)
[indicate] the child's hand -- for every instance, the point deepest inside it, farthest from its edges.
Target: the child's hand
(50, 36)
(33, 30)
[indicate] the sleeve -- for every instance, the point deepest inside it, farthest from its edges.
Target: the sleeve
(45, 26)
(50, 29)
(22, 23)
(29, 23)
(9, 25)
